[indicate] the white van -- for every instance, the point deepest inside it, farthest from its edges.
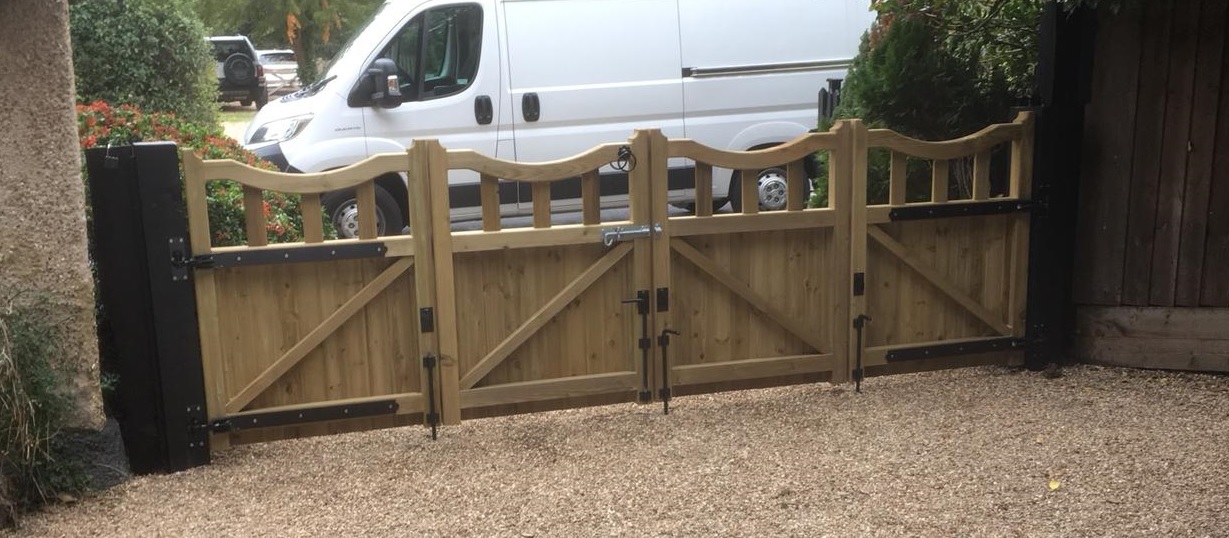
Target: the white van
(538, 80)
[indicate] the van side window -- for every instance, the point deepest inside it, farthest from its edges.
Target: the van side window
(441, 61)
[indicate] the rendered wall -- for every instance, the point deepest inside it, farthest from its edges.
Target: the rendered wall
(42, 198)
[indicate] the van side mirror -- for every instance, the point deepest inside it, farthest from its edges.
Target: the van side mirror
(386, 84)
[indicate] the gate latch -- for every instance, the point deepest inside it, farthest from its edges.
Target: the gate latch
(610, 236)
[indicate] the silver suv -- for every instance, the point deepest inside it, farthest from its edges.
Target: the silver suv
(241, 77)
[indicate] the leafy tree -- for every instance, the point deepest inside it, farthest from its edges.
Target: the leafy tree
(314, 29)
(150, 53)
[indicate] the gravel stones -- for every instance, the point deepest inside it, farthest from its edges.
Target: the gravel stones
(974, 452)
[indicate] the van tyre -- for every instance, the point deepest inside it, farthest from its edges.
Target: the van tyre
(342, 209)
(772, 189)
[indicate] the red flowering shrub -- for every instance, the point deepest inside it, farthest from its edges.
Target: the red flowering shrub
(99, 123)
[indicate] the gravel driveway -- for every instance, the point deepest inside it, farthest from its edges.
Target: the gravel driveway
(972, 452)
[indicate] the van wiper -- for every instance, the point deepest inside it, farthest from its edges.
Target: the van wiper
(314, 87)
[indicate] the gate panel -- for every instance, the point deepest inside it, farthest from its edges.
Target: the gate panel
(758, 299)
(307, 339)
(543, 315)
(945, 279)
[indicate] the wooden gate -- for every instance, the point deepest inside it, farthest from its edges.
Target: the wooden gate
(441, 325)
(942, 282)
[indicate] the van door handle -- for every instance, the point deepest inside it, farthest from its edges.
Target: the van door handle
(531, 108)
(484, 111)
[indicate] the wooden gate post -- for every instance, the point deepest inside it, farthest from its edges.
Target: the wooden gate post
(149, 304)
(855, 284)
(642, 213)
(840, 199)
(660, 300)
(437, 296)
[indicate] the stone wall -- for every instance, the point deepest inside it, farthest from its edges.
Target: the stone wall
(42, 198)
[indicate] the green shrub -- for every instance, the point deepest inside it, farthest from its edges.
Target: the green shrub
(911, 76)
(35, 406)
(150, 53)
(99, 124)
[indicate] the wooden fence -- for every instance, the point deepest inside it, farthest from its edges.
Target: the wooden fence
(441, 325)
(1153, 232)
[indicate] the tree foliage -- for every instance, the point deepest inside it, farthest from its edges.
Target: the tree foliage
(314, 29)
(149, 53)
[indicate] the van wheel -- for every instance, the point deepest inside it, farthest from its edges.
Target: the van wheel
(772, 190)
(342, 209)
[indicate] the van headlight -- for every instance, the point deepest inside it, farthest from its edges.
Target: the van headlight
(280, 130)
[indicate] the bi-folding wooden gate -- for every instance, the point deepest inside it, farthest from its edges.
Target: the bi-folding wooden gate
(441, 325)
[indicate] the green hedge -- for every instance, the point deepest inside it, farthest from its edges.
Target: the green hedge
(99, 123)
(150, 53)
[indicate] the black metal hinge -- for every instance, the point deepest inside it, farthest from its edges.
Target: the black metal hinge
(953, 349)
(181, 263)
(958, 209)
(859, 284)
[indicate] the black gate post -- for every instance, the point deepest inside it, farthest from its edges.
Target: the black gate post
(1063, 82)
(149, 317)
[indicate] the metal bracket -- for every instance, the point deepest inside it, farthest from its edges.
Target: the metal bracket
(642, 309)
(663, 342)
(426, 319)
(274, 419)
(429, 361)
(859, 323)
(1005, 343)
(610, 236)
(958, 209)
(182, 263)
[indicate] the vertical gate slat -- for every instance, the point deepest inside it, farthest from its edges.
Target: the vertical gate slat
(704, 189)
(313, 219)
(795, 175)
(490, 203)
(749, 191)
(897, 179)
(940, 175)
(367, 226)
(541, 204)
(981, 176)
(254, 217)
(857, 200)
(591, 200)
